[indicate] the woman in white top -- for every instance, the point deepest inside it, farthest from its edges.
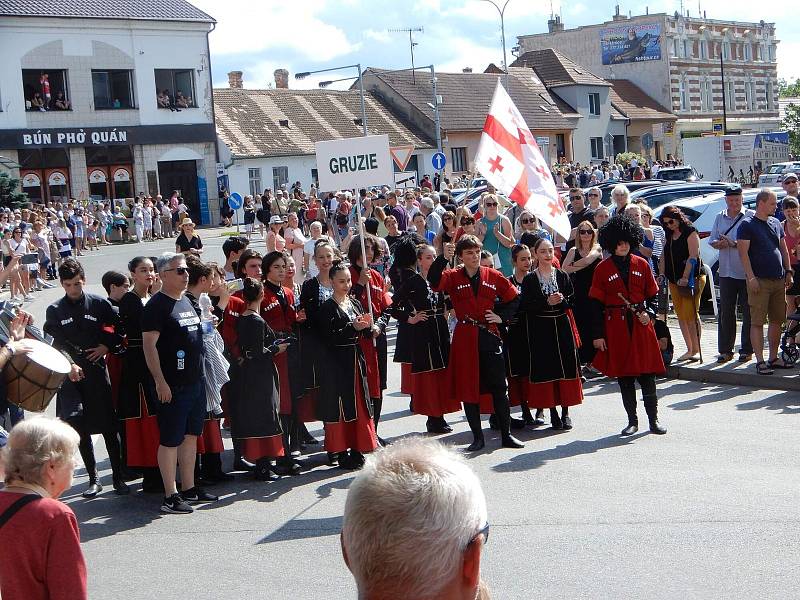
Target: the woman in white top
(17, 246)
(295, 240)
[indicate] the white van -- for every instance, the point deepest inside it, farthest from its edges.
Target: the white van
(773, 176)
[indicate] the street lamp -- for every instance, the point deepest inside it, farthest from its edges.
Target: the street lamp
(724, 103)
(502, 12)
(304, 74)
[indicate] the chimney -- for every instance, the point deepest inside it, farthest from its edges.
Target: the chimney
(554, 24)
(281, 79)
(235, 80)
(617, 16)
(466, 70)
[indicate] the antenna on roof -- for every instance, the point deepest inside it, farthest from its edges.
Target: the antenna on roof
(412, 43)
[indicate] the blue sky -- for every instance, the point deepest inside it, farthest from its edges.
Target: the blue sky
(257, 37)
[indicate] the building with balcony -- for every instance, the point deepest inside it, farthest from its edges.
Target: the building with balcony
(678, 61)
(106, 100)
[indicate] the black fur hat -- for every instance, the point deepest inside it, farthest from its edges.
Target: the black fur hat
(620, 228)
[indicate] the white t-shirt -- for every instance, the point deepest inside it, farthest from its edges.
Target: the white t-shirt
(308, 248)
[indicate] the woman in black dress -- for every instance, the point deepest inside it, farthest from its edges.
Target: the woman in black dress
(256, 422)
(188, 242)
(344, 402)
(580, 262)
(424, 313)
(546, 296)
(138, 402)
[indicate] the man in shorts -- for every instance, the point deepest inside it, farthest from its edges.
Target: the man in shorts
(173, 349)
(765, 258)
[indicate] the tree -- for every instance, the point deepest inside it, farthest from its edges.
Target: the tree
(9, 196)
(791, 123)
(788, 89)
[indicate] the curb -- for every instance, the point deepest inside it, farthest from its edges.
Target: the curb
(751, 379)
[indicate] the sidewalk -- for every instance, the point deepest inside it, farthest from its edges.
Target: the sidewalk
(730, 373)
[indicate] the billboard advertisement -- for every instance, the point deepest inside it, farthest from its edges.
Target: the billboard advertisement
(630, 43)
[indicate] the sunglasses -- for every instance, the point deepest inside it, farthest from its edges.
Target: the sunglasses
(525, 221)
(484, 531)
(178, 270)
(585, 231)
(668, 221)
(576, 197)
(792, 180)
(491, 204)
(594, 195)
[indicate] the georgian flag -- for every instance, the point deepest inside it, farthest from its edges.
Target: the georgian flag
(510, 159)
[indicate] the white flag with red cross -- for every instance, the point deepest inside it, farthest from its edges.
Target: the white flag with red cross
(510, 159)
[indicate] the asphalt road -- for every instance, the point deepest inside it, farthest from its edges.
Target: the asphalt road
(707, 511)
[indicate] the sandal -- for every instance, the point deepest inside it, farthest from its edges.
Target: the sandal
(776, 365)
(762, 368)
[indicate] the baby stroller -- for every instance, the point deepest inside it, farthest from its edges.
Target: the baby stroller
(789, 350)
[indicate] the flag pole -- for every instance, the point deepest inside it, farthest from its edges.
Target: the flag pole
(364, 263)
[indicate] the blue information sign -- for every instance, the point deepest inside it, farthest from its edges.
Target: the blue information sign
(235, 201)
(438, 161)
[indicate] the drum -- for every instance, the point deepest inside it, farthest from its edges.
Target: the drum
(33, 379)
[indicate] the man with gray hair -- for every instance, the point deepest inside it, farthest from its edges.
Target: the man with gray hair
(432, 220)
(173, 349)
(415, 523)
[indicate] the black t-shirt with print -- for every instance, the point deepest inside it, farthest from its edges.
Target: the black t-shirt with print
(180, 343)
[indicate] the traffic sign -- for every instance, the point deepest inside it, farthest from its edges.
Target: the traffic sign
(401, 155)
(405, 179)
(647, 141)
(438, 161)
(235, 201)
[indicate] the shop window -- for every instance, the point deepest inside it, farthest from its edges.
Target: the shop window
(594, 104)
(43, 158)
(459, 159)
(123, 186)
(108, 155)
(45, 89)
(175, 88)
(112, 89)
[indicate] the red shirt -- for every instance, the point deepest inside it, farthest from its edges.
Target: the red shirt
(40, 552)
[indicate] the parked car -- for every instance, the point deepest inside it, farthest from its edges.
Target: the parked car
(775, 173)
(684, 173)
(671, 193)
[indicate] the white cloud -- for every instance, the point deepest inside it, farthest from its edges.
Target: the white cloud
(246, 27)
(384, 37)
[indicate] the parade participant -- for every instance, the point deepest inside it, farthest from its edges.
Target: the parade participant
(623, 288)
(423, 312)
(516, 345)
(580, 263)
(555, 371)
(138, 402)
(279, 312)
(375, 350)
(313, 356)
(83, 327)
(344, 400)
(173, 348)
(232, 248)
(210, 445)
(249, 264)
(256, 423)
(474, 291)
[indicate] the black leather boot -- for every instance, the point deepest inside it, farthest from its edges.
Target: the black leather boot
(629, 402)
(94, 487)
(651, 406)
(474, 419)
(503, 412)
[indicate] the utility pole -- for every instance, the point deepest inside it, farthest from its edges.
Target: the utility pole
(411, 43)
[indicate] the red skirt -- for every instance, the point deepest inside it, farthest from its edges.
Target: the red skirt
(254, 449)
(357, 435)
(518, 390)
(406, 383)
(563, 392)
(431, 396)
(367, 345)
(284, 389)
(210, 442)
(306, 409)
(142, 438)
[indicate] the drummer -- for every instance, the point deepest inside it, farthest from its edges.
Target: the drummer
(83, 327)
(14, 346)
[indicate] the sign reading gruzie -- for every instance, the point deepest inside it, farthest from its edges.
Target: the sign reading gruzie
(353, 163)
(630, 43)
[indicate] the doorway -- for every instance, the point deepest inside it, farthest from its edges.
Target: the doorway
(181, 175)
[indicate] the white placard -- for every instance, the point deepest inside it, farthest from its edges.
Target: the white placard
(354, 163)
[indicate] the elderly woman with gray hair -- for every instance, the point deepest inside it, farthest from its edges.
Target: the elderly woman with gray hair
(40, 546)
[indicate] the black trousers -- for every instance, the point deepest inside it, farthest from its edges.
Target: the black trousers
(627, 386)
(86, 449)
(733, 295)
(492, 377)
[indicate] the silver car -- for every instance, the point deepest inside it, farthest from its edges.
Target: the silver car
(773, 176)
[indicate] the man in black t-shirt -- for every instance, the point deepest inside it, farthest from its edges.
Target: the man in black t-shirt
(173, 348)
